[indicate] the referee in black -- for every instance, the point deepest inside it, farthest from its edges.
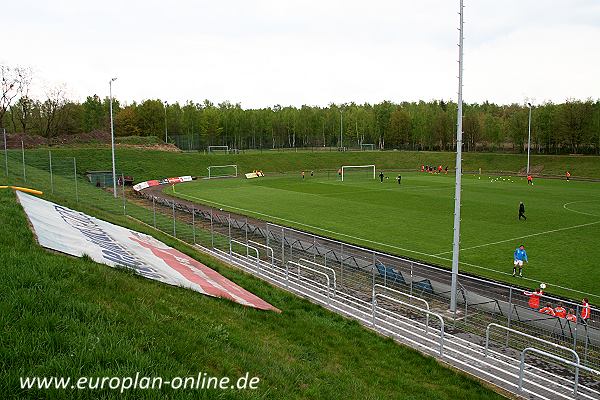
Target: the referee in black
(381, 176)
(522, 211)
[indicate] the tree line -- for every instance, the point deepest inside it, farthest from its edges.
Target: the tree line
(569, 127)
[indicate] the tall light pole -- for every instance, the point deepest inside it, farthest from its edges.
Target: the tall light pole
(112, 138)
(457, 190)
(528, 137)
(166, 134)
(341, 129)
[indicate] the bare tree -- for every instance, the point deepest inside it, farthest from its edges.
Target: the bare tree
(55, 99)
(13, 80)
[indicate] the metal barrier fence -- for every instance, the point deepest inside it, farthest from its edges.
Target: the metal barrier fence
(356, 270)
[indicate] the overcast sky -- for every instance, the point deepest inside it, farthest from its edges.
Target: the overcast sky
(261, 53)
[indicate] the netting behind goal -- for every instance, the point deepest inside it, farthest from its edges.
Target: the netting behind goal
(222, 171)
(358, 172)
(218, 149)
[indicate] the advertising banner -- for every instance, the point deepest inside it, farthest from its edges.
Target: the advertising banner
(75, 233)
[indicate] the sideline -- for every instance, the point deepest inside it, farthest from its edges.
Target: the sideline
(521, 237)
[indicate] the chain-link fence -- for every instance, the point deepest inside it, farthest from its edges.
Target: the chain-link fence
(357, 271)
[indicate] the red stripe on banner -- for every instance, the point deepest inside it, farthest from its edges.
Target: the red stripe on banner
(211, 282)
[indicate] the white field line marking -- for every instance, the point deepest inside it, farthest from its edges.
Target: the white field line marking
(302, 224)
(379, 243)
(580, 212)
(522, 237)
(396, 190)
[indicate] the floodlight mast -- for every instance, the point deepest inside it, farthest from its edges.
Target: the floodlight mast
(457, 190)
(166, 132)
(112, 138)
(341, 129)
(528, 137)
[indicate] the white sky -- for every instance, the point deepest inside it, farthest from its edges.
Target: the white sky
(262, 53)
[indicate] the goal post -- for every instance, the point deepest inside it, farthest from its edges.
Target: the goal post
(368, 170)
(212, 149)
(222, 171)
(367, 146)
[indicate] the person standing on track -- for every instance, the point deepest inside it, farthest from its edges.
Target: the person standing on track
(585, 310)
(520, 256)
(522, 211)
(534, 298)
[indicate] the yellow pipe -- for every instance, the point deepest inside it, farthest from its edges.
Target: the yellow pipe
(22, 189)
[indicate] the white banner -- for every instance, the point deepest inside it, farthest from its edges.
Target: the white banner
(75, 233)
(147, 184)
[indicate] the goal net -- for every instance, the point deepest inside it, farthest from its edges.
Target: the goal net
(358, 172)
(222, 171)
(367, 146)
(218, 149)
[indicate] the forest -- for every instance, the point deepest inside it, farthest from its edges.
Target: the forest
(571, 127)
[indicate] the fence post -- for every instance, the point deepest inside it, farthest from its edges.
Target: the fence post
(246, 232)
(123, 185)
(510, 308)
(229, 227)
(51, 178)
(283, 246)
(314, 248)
(23, 153)
(212, 235)
(174, 226)
(75, 175)
(267, 232)
(154, 210)
(5, 153)
(411, 278)
(341, 261)
(194, 223)
(373, 269)
(576, 324)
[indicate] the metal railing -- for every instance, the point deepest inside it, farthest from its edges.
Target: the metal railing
(546, 342)
(427, 312)
(552, 356)
(265, 247)
(325, 268)
(300, 266)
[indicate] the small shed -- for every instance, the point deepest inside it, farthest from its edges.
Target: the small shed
(104, 178)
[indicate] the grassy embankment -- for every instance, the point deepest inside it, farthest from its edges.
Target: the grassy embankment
(62, 316)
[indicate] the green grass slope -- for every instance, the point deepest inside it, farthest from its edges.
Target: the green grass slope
(61, 316)
(146, 164)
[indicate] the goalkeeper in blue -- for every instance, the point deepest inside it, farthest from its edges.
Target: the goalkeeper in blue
(520, 256)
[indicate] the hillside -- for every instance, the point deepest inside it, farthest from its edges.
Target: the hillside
(72, 317)
(150, 164)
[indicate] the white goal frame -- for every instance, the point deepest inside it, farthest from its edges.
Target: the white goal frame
(344, 167)
(210, 176)
(370, 146)
(211, 149)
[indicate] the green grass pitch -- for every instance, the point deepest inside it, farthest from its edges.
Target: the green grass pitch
(415, 219)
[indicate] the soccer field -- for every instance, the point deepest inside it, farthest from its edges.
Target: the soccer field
(415, 219)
